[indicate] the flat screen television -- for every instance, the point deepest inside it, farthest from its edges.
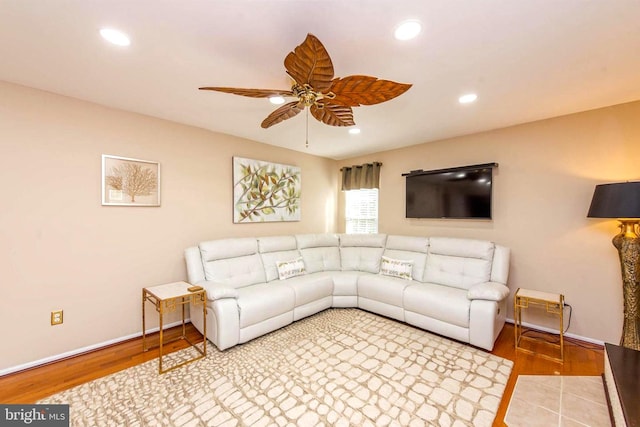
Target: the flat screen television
(461, 193)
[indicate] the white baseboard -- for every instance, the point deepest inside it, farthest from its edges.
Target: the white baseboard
(171, 325)
(84, 349)
(556, 331)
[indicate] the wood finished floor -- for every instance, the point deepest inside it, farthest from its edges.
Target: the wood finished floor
(34, 384)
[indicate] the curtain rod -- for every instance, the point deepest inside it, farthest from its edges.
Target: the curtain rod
(456, 169)
(359, 166)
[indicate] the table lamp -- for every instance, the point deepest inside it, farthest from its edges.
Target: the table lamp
(622, 201)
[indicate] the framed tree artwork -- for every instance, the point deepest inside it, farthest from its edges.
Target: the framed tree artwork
(130, 182)
(265, 192)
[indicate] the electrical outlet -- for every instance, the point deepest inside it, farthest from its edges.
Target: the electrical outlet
(56, 317)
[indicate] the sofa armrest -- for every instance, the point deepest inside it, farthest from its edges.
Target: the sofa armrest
(491, 291)
(217, 291)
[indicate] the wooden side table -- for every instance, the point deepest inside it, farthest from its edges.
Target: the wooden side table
(167, 298)
(553, 303)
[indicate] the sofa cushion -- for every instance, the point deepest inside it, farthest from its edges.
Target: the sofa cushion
(316, 240)
(459, 263)
(361, 252)
(216, 291)
(292, 268)
(388, 290)
(321, 259)
(310, 287)
(263, 301)
(466, 248)
(360, 259)
(228, 248)
(490, 291)
(270, 260)
(276, 244)
(408, 243)
(362, 240)
(320, 252)
(232, 262)
(443, 303)
(236, 272)
(345, 283)
(409, 248)
(274, 249)
(396, 268)
(500, 268)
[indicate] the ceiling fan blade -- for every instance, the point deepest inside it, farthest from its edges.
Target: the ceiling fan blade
(283, 113)
(365, 90)
(253, 93)
(310, 64)
(332, 114)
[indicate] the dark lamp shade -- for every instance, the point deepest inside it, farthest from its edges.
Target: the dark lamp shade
(618, 200)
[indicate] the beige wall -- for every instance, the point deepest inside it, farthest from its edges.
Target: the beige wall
(542, 191)
(60, 249)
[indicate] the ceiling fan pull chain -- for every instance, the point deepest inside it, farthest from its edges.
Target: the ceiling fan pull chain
(306, 145)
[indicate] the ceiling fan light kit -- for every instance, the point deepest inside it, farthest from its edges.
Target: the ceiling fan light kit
(330, 100)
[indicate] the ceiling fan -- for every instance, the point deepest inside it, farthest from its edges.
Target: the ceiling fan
(329, 99)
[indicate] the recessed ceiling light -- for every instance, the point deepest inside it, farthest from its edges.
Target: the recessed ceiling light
(354, 131)
(468, 98)
(114, 36)
(407, 30)
(276, 100)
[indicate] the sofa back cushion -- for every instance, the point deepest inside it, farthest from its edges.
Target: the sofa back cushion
(409, 248)
(320, 252)
(459, 263)
(232, 262)
(361, 252)
(274, 250)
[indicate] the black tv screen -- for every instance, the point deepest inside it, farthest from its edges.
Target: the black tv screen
(454, 193)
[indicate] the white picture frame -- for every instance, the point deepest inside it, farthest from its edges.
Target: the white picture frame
(130, 182)
(265, 191)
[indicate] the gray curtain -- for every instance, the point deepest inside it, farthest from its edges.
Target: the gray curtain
(357, 177)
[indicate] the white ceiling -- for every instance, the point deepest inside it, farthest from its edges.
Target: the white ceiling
(526, 60)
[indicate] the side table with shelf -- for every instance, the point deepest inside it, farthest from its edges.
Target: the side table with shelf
(552, 303)
(167, 298)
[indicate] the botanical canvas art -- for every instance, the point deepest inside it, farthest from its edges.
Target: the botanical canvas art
(130, 182)
(265, 192)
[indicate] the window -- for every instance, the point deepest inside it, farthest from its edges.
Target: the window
(361, 211)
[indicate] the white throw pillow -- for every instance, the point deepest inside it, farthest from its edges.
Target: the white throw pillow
(396, 268)
(291, 268)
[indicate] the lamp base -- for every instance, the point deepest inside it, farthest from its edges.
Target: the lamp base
(628, 245)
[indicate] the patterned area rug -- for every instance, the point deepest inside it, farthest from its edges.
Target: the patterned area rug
(340, 367)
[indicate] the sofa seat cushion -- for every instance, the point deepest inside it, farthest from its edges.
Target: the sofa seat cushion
(388, 290)
(443, 303)
(345, 283)
(264, 301)
(309, 288)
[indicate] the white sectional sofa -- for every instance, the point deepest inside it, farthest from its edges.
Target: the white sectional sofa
(453, 287)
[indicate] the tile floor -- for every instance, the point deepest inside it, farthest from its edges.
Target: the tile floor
(564, 401)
